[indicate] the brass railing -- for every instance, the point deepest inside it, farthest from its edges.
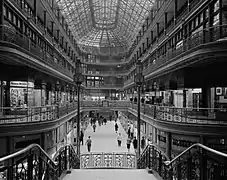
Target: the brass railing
(33, 162)
(108, 160)
(198, 162)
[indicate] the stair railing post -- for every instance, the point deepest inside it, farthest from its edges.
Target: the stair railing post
(149, 157)
(203, 164)
(41, 172)
(59, 164)
(67, 156)
(189, 168)
(160, 163)
(30, 165)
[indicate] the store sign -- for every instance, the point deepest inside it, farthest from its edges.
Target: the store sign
(22, 84)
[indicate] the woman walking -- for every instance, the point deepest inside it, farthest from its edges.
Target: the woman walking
(88, 143)
(128, 143)
(134, 142)
(116, 127)
(94, 126)
(119, 139)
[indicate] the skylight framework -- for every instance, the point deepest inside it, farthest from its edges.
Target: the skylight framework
(105, 25)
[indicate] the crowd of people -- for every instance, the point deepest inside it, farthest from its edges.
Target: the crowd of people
(134, 141)
(103, 121)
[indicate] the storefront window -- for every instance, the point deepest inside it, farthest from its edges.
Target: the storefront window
(21, 93)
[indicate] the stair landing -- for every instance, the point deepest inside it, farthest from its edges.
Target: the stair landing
(109, 174)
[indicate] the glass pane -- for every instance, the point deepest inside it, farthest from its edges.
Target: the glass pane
(105, 24)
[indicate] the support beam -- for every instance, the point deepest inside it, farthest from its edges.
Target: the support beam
(45, 21)
(157, 26)
(169, 144)
(1, 19)
(35, 10)
(165, 21)
(175, 10)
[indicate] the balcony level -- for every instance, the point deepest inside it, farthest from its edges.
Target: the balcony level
(199, 50)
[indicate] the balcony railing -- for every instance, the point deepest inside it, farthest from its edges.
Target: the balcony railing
(108, 160)
(10, 115)
(164, 113)
(104, 86)
(105, 104)
(25, 44)
(197, 162)
(185, 115)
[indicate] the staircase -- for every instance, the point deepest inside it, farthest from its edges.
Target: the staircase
(109, 174)
(198, 162)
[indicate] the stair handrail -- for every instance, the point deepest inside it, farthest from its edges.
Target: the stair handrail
(154, 145)
(26, 149)
(6, 164)
(61, 148)
(170, 162)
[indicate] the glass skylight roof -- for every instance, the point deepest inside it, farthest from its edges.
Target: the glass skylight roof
(99, 25)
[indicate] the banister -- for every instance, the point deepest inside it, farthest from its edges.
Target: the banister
(60, 149)
(158, 148)
(168, 163)
(26, 149)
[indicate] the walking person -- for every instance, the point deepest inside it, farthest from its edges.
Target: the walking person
(119, 139)
(132, 133)
(82, 137)
(129, 132)
(128, 143)
(135, 143)
(94, 127)
(116, 127)
(143, 143)
(88, 143)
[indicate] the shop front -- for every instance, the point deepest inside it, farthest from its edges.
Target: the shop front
(21, 93)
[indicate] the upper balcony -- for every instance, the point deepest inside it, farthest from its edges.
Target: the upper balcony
(18, 47)
(194, 48)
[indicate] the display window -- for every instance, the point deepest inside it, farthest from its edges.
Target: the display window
(21, 93)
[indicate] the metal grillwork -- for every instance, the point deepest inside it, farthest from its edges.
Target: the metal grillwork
(34, 163)
(109, 25)
(198, 162)
(108, 160)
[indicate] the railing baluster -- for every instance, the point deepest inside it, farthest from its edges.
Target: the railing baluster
(30, 165)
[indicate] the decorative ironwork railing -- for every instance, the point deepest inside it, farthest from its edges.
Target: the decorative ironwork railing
(198, 162)
(108, 160)
(33, 163)
(184, 115)
(171, 114)
(34, 114)
(152, 158)
(105, 103)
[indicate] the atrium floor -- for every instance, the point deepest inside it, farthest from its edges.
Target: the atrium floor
(104, 139)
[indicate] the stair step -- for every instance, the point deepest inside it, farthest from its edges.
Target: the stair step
(109, 174)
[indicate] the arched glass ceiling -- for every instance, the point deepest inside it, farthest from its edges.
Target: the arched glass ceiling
(105, 26)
